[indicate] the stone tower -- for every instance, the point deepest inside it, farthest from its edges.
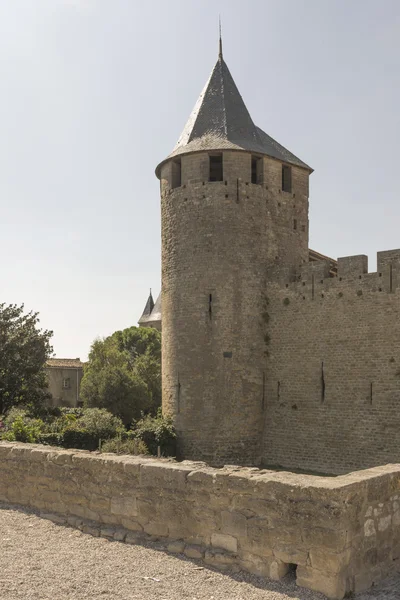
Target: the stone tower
(234, 207)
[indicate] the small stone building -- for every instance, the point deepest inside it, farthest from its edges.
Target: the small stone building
(65, 376)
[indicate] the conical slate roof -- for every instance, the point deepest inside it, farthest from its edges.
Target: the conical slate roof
(221, 121)
(147, 310)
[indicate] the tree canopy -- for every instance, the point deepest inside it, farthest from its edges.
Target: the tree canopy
(24, 350)
(123, 374)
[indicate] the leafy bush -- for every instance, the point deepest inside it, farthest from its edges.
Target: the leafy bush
(101, 423)
(26, 430)
(13, 414)
(19, 426)
(157, 431)
(76, 437)
(127, 446)
(76, 412)
(95, 424)
(51, 439)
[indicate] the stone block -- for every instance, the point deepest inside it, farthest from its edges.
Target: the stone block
(163, 475)
(219, 558)
(156, 528)
(120, 535)
(329, 562)
(91, 515)
(107, 532)
(291, 555)
(333, 587)
(176, 547)
(255, 564)
(124, 505)
(193, 552)
(227, 542)
(74, 521)
(58, 519)
(132, 537)
(99, 504)
(131, 524)
(277, 569)
(91, 530)
(234, 523)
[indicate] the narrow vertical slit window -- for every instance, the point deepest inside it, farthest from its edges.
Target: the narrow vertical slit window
(210, 305)
(286, 178)
(216, 168)
(256, 170)
(295, 224)
(322, 383)
(176, 173)
(391, 278)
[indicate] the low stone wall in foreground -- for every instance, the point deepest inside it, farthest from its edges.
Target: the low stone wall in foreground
(342, 534)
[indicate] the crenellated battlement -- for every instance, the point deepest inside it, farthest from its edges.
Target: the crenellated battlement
(314, 279)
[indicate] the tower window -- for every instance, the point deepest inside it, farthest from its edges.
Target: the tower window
(66, 383)
(216, 171)
(176, 173)
(286, 178)
(256, 170)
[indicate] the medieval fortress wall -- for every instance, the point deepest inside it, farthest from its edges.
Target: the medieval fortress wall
(217, 238)
(333, 383)
(341, 533)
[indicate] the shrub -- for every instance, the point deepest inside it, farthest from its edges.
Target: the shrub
(127, 446)
(13, 414)
(101, 423)
(95, 424)
(76, 412)
(51, 439)
(26, 430)
(76, 437)
(157, 431)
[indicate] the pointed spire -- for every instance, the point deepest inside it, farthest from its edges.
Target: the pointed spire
(220, 121)
(147, 309)
(220, 39)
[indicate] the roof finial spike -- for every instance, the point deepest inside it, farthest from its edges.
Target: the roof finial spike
(220, 39)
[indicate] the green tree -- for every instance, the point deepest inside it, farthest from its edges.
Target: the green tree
(24, 350)
(123, 374)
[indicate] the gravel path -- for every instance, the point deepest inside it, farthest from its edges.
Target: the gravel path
(40, 560)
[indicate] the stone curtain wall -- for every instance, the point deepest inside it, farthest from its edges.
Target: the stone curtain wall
(342, 533)
(333, 367)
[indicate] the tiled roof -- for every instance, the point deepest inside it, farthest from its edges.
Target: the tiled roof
(65, 362)
(221, 121)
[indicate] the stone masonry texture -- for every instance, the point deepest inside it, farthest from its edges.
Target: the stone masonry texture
(333, 367)
(218, 238)
(342, 533)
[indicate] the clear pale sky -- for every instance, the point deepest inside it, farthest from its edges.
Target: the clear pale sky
(94, 93)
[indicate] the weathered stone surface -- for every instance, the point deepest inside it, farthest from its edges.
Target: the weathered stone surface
(193, 552)
(261, 521)
(227, 542)
(176, 547)
(332, 587)
(156, 528)
(120, 535)
(132, 537)
(107, 532)
(124, 506)
(58, 519)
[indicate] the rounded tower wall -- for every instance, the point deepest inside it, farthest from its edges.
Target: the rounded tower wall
(218, 238)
